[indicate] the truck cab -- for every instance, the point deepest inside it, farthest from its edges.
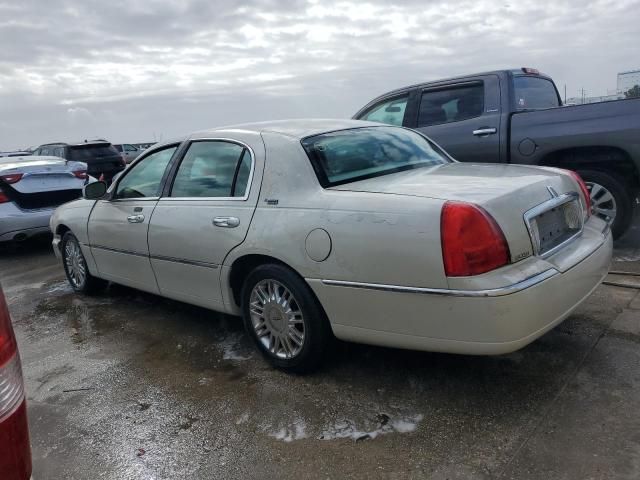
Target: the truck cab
(515, 116)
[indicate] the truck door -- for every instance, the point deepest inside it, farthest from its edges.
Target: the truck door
(463, 117)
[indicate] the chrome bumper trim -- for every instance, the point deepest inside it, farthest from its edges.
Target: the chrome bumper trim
(495, 292)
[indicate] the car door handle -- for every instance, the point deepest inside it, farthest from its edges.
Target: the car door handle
(484, 131)
(135, 218)
(227, 222)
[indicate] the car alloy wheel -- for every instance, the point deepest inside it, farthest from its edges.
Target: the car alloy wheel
(277, 319)
(74, 261)
(603, 203)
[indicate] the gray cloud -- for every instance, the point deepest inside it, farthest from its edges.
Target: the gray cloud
(138, 68)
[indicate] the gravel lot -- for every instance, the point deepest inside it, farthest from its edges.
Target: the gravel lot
(128, 385)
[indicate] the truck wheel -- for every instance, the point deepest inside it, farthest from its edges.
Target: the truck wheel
(610, 199)
(284, 319)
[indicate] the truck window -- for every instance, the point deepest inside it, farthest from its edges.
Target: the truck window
(451, 105)
(389, 111)
(533, 93)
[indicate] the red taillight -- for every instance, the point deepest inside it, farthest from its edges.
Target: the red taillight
(8, 346)
(82, 174)
(15, 452)
(12, 178)
(472, 242)
(3, 197)
(585, 191)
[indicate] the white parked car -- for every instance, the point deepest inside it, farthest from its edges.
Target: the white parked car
(31, 187)
(315, 228)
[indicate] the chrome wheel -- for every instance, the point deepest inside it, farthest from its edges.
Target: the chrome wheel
(603, 204)
(277, 319)
(74, 261)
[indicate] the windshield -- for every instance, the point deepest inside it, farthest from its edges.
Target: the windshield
(350, 155)
(533, 93)
(81, 153)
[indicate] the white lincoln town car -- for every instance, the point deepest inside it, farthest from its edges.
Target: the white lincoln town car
(314, 229)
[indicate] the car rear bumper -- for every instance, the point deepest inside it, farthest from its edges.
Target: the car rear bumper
(18, 224)
(482, 322)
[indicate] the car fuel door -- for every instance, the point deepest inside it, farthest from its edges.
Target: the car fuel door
(203, 215)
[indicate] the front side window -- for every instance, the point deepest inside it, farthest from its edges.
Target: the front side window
(213, 169)
(129, 148)
(389, 111)
(533, 93)
(145, 177)
(360, 153)
(451, 105)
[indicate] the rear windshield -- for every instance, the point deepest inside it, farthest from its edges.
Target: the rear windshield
(350, 155)
(80, 153)
(533, 93)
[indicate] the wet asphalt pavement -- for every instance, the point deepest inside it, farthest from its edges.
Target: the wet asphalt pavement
(127, 385)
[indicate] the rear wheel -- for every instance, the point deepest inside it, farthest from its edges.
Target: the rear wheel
(75, 266)
(284, 319)
(610, 199)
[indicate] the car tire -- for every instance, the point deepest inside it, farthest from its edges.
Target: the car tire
(75, 267)
(617, 187)
(285, 320)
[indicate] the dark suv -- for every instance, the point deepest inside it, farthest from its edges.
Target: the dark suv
(102, 159)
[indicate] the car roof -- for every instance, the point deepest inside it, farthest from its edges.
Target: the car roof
(297, 128)
(74, 144)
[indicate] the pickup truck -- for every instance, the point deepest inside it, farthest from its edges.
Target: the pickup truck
(517, 116)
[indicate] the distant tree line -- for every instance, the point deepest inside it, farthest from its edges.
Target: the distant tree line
(633, 92)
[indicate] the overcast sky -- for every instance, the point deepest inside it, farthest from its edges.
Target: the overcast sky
(139, 70)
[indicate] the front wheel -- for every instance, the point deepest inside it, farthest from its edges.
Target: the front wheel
(610, 199)
(284, 319)
(75, 266)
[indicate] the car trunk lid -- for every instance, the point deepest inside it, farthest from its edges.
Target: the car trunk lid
(507, 192)
(40, 182)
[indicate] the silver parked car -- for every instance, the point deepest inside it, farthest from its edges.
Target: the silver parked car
(128, 151)
(371, 233)
(31, 188)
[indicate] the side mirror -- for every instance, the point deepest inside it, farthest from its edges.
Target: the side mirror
(94, 191)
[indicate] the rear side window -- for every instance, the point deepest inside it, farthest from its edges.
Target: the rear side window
(81, 153)
(388, 111)
(213, 169)
(534, 93)
(360, 153)
(451, 105)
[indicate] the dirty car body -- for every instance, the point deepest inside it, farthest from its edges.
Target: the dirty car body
(369, 232)
(31, 188)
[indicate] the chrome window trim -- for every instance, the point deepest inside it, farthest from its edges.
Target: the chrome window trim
(216, 139)
(546, 206)
(494, 292)
(136, 199)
